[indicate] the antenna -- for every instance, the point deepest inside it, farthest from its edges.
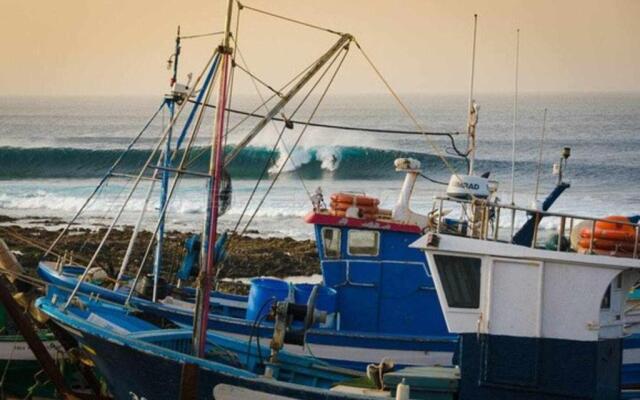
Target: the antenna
(515, 121)
(174, 77)
(544, 128)
(473, 109)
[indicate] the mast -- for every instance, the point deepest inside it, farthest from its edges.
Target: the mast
(513, 136)
(170, 103)
(544, 128)
(515, 120)
(473, 108)
(215, 172)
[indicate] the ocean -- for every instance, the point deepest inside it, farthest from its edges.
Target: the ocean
(54, 151)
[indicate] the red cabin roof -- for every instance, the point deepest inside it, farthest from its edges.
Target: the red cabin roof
(320, 218)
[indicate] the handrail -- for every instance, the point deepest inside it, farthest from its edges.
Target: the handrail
(482, 211)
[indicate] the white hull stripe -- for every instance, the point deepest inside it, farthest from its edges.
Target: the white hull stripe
(223, 391)
(365, 355)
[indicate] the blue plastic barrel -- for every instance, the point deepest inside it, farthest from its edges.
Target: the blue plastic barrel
(326, 301)
(263, 293)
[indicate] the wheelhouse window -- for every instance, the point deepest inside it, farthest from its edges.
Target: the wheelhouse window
(331, 242)
(363, 243)
(460, 278)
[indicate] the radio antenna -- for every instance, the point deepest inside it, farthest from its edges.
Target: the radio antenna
(515, 121)
(473, 108)
(544, 128)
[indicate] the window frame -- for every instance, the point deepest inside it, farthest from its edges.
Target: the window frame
(377, 243)
(324, 242)
(440, 267)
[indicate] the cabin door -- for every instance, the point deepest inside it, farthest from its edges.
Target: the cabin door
(514, 298)
(511, 351)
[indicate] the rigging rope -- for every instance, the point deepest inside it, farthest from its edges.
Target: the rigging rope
(304, 129)
(38, 245)
(103, 180)
(201, 35)
(282, 17)
(254, 77)
(237, 125)
(177, 178)
(285, 126)
(408, 112)
(333, 126)
(137, 181)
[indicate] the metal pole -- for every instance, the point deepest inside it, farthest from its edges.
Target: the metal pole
(215, 170)
(473, 116)
(515, 121)
(563, 222)
(163, 199)
(496, 232)
(165, 174)
(635, 244)
(134, 234)
(544, 127)
(593, 235)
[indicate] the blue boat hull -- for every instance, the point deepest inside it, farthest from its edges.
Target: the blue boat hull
(148, 363)
(348, 349)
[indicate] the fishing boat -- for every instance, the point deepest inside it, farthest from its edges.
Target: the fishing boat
(110, 323)
(146, 334)
(531, 324)
(354, 335)
(20, 374)
(535, 323)
(373, 283)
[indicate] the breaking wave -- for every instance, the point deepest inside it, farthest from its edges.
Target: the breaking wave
(341, 162)
(336, 162)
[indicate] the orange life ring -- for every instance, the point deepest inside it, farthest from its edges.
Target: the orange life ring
(604, 244)
(601, 252)
(622, 235)
(613, 222)
(356, 200)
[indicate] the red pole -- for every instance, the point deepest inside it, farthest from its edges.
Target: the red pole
(216, 168)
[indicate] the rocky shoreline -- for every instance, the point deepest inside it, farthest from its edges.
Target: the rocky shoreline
(246, 256)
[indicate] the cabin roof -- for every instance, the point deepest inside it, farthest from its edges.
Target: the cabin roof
(321, 218)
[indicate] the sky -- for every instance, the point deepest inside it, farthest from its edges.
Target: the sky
(120, 47)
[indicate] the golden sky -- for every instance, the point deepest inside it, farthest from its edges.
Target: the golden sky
(120, 47)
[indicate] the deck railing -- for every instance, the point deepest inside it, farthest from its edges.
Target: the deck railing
(481, 218)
